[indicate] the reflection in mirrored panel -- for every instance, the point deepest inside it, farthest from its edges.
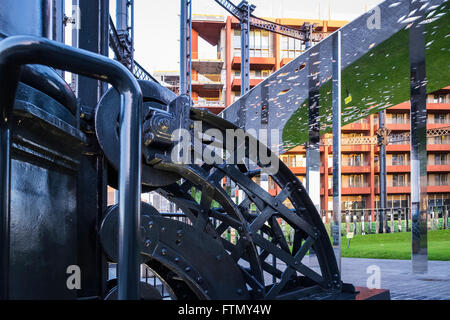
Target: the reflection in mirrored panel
(375, 72)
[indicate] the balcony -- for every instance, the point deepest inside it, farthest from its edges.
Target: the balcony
(438, 167)
(438, 106)
(208, 66)
(215, 105)
(256, 63)
(398, 126)
(361, 125)
(206, 82)
(431, 105)
(396, 168)
(355, 188)
(236, 83)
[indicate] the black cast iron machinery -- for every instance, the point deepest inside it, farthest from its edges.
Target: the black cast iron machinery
(58, 155)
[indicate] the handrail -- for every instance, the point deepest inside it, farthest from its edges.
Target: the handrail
(17, 51)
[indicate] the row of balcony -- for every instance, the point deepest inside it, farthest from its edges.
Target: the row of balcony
(367, 190)
(367, 169)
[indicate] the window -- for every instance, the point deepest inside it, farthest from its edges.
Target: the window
(439, 98)
(440, 179)
(356, 181)
(440, 118)
(399, 180)
(258, 43)
(440, 159)
(353, 202)
(442, 140)
(291, 48)
(399, 159)
(237, 39)
(399, 118)
(353, 160)
(265, 73)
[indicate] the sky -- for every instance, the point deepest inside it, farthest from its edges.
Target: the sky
(157, 23)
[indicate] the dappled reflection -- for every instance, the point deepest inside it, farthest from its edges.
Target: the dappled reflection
(375, 73)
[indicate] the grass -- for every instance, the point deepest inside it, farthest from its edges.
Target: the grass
(396, 246)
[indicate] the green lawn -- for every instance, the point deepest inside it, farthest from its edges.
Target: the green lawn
(396, 246)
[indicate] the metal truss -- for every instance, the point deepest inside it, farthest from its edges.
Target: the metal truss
(123, 54)
(304, 34)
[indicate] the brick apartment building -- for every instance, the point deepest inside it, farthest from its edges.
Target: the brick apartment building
(216, 84)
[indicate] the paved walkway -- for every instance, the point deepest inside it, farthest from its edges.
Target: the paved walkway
(396, 276)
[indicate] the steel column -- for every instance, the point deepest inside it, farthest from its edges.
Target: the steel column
(186, 47)
(20, 50)
(5, 196)
(93, 36)
(122, 16)
(419, 212)
(132, 35)
(383, 186)
(313, 149)
(245, 47)
(337, 180)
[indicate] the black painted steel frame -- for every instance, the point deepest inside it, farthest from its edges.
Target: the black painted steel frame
(20, 50)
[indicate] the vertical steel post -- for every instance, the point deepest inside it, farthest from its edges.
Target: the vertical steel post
(313, 149)
(122, 16)
(5, 196)
(383, 186)
(123, 31)
(132, 35)
(337, 181)
(186, 47)
(245, 47)
(419, 214)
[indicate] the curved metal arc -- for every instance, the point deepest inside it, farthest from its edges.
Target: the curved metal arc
(17, 51)
(330, 277)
